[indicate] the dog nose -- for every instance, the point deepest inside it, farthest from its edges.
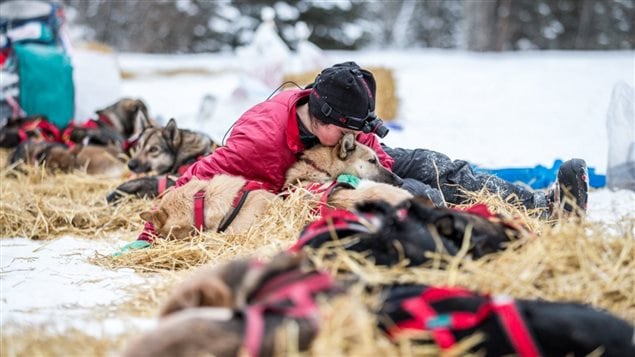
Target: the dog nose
(132, 164)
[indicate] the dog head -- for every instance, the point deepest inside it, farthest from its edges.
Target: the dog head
(173, 215)
(487, 232)
(14, 131)
(347, 157)
(229, 285)
(55, 156)
(357, 159)
(125, 116)
(398, 236)
(418, 227)
(157, 149)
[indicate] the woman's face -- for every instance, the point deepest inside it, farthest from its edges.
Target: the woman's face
(329, 134)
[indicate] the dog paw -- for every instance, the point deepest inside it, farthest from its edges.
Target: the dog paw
(142, 187)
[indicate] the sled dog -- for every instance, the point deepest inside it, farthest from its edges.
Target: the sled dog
(175, 215)
(323, 164)
(94, 159)
(239, 308)
(166, 150)
(162, 151)
(126, 116)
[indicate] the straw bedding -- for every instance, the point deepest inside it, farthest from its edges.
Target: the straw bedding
(569, 260)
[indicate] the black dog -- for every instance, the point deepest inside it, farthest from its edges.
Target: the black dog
(142, 187)
(410, 231)
(555, 328)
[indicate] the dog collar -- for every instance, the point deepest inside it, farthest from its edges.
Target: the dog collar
(199, 210)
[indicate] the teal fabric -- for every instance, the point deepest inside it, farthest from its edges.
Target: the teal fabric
(349, 179)
(135, 245)
(46, 82)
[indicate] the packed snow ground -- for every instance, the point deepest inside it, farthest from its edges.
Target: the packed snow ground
(496, 110)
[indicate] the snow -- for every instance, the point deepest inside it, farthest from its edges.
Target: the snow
(510, 109)
(51, 282)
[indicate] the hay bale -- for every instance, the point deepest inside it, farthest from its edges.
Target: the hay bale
(386, 103)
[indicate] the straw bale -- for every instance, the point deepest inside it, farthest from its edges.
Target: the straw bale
(386, 103)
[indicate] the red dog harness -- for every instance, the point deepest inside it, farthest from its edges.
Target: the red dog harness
(424, 317)
(290, 294)
(237, 204)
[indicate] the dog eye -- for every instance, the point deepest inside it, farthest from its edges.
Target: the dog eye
(373, 161)
(153, 150)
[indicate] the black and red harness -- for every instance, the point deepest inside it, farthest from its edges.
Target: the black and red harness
(338, 223)
(424, 317)
(290, 294)
(237, 204)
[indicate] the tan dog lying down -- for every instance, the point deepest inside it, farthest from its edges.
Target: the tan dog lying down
(94, 159)
(174, 216)
(323, 164)
(209, 313)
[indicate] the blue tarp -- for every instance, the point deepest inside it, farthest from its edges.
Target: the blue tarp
(539, 176)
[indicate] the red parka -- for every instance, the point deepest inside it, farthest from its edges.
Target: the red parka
(264, 143)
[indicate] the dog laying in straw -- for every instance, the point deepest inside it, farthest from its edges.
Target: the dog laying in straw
(318, 169)
(210, 204)
(234, 204)
(242, 305)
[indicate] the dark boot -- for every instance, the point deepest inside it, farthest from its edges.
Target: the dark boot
(571, 190)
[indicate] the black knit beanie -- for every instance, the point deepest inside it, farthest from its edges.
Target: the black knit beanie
(344, 90)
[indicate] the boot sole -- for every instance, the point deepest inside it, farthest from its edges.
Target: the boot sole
(578, 189)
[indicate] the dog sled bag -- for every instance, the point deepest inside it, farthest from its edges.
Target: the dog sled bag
(34, 60)
(46, 82)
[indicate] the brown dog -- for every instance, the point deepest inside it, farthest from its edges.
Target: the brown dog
(210, 313)
(125, 116)
(323, 164)
(167, 150)
(162, 151)
(174, 215)
(95, 160)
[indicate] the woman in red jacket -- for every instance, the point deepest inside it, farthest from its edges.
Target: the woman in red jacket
(266, 141)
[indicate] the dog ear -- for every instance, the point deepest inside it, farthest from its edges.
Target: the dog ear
(146, 216)
(141, 121)
(129, 105)
(172, 134)
(157, 217)
(346, 145)
(141, 106)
